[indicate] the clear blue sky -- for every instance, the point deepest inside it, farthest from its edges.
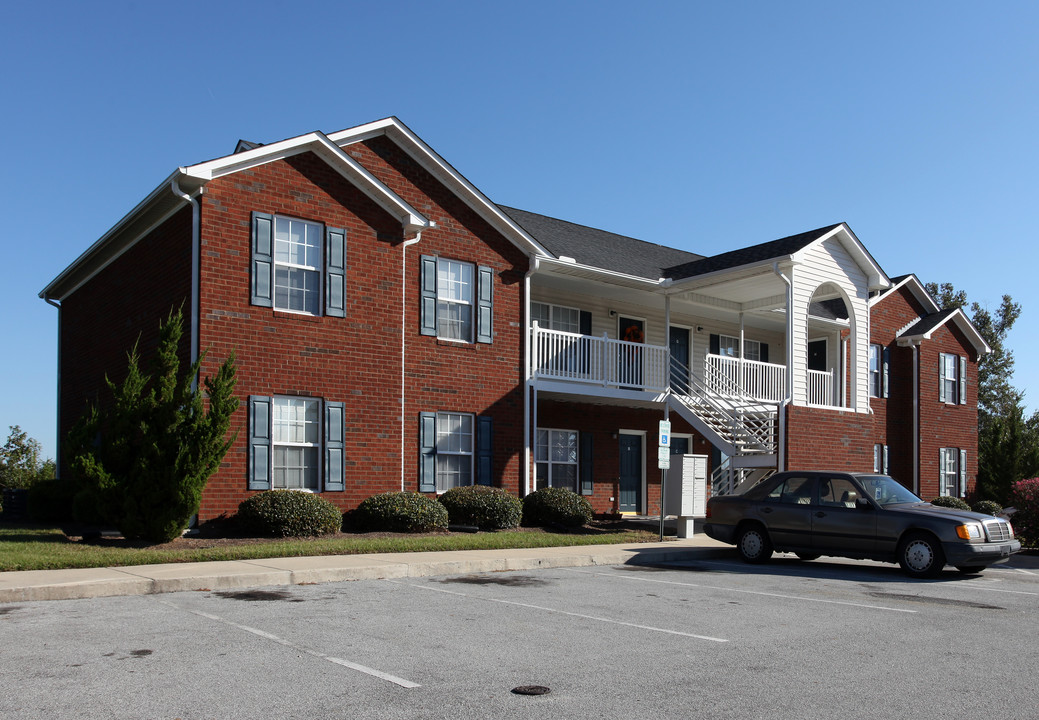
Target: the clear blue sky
(701, 125)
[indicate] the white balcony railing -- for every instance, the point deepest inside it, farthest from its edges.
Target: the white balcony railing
(603, 361)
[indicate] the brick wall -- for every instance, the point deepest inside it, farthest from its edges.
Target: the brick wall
(357, 359)
(125, 302)
(825, 439)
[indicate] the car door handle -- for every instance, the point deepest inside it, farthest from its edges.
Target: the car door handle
(766, 510)
(820, 514)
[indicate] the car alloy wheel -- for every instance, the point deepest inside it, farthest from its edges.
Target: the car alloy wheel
(754, 545)
(921, 556)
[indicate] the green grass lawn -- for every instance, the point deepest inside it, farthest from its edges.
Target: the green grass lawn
(30, 547)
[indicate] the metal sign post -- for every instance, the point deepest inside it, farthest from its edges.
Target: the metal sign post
(663, 462)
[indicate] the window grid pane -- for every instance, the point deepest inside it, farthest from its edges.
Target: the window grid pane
(297, 265)
(556, 456)
(296, 437)
(454, 300)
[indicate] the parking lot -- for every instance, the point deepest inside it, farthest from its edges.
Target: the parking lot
(713, 638)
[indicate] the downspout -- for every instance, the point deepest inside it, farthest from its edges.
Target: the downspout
(57, 413)
(781, 460)
(527, 384)
(915, 418)
(196, 239)
(403, 334)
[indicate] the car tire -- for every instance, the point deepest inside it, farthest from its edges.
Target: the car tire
(806, 556)
(970, 569)
(753, 544)
(920, 555)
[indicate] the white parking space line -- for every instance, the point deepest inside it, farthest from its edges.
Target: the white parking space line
(542, 608)
(281, 641)
(800, 598)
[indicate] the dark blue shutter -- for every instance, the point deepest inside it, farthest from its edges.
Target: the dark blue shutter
(485, 305)
(335, 458)
(941, 378)
(259, 443)
(427, 458)
(963, 473)
(887, 364)
(963, 380)
(428, 290)
(262, 260)
(764, 351)
(335, 272)
(716, 345)
(484, 450)
(586, 323)
(585, 469)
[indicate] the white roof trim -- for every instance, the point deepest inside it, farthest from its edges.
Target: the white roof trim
(569, 267)
(443, 171)
(915, 287)
(876, 278)
(321, 145)
(962, 322)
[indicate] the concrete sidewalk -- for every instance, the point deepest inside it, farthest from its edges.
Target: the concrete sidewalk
(27, 585)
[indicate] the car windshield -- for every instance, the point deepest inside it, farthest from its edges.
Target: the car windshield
(886, 491)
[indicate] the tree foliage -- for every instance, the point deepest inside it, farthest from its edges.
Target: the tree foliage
(1008, 443)
(143, 460)
(20, 461)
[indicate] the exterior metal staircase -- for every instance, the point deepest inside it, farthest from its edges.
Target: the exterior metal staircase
(742, 427)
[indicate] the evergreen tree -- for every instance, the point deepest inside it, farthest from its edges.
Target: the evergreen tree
(143, 460)
(1008, 444)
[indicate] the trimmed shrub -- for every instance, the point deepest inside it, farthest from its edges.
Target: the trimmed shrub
(1024, 498)
(289, 513)
(488, 508)
(50, 501)
(556, 506)
(400, 512)
(950, 502)
(987, 507)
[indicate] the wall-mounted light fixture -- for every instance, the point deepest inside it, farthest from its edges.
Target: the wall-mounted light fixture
(613, 313)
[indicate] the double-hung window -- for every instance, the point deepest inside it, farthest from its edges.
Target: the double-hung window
(556, 459)
(952, 469)
(878, 371)
(730, 347)
(556, 317)
(296, 444)
(298, 265)
(952, 379)
(880, 459)
(455, 449)
(457, 300)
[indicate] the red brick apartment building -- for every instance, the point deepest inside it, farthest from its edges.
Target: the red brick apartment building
(396, 329)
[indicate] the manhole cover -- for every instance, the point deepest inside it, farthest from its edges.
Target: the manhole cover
(530, 690)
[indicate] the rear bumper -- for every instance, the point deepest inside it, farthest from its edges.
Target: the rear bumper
(721, 533)
(977, 554)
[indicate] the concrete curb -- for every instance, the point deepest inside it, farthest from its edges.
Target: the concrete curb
(30, 585)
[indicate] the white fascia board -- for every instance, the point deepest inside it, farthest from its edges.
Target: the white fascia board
(915, 287)
(876, 278)
(962, 322)
(162, 189)
(442, 170)
(593, 273)
(320, 144)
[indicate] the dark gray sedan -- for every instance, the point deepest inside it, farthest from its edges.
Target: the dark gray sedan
(856, 515)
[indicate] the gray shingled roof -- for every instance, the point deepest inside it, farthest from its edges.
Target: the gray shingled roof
(928, 323)
(745, 256)
(598, 248)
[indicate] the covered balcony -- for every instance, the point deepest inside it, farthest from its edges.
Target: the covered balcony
(617, 364)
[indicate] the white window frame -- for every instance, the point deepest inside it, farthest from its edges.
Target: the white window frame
(543, 458)
(952, 383)
(308, 270)
(880, 459)
(555, 319)
(951, 472)
(447, 300)
(296, 424)
(453, 443)
(732, 348)
(876, 370)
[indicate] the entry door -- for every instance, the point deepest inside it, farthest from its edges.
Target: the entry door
(629, 365)
(679, 343)
(630, 473)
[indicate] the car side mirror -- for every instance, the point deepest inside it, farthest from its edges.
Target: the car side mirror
(863, 504)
